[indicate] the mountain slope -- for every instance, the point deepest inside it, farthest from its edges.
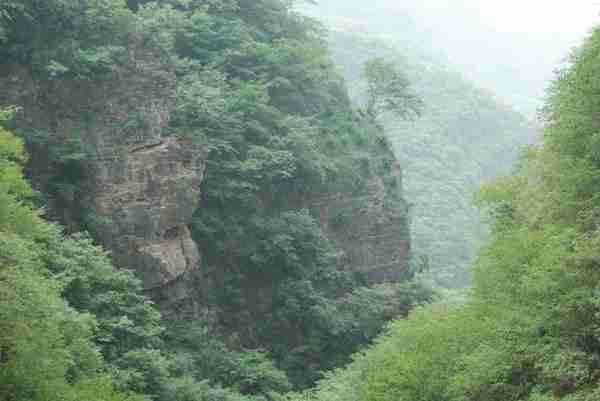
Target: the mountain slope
(486, 41)
(212, 148)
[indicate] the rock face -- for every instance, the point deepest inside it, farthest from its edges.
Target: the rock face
(144, 206)
(371, 228)
(136, 188)
(369, 224)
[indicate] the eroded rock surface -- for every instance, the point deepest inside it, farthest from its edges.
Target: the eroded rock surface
(136, 188)
(144, 206)
(371, 228)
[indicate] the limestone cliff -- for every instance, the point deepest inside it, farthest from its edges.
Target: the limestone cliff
(136, 188)
(145, 205)
(371, 227)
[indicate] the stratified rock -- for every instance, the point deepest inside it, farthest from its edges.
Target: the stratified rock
(136, 189)
(143, 209)
(371, 227)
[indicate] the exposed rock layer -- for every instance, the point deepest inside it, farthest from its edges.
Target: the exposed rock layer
(371, 228)
(136, 189)
(147, 204)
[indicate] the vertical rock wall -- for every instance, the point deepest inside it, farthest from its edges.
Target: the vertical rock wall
(371, 227)
(137, 189)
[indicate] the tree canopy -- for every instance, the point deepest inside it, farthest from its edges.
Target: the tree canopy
(388, 91)
(252, 83)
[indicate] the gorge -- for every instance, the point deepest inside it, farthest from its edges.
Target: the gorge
(198, 202)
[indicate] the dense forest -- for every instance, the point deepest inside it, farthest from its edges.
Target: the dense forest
(204, 200)
(254, 226)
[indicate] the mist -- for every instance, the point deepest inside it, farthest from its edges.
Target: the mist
(511, 48)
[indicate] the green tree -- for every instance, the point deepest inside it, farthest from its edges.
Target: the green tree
(388, 91)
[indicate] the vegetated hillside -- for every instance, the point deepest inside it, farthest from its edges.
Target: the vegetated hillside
(530, 330)
(464, 137)
(211, 147)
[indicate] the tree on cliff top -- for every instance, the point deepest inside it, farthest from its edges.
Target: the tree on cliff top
(388, 90)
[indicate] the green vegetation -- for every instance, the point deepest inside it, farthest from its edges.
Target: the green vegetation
(275, 308)
(254, 85)
(530, 329)
(388, 90)
(515, 64)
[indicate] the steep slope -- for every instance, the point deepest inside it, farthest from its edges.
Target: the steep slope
(56, 342)
(134, 188)
(212, 148)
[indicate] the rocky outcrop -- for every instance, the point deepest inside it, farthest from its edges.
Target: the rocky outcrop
(368, 222)
(371, 228)
(143, 208)
(136, 188)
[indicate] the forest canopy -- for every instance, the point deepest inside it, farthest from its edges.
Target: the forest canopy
(252, 84)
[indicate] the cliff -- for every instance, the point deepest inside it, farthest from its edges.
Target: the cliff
(134, 188)
(369, 226)
(465, 137)
(213, 149)
(138, 189)
(137, 144)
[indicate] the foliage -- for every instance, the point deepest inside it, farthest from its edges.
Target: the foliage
(253, 82)
(69, 317)
(64, 38)
(199, 346)
(388, 90)
(264, 97)
(126, 319)
(47, 349)
(293, 257)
